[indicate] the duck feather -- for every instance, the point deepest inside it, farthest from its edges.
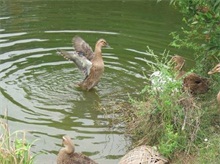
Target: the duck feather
(82, 47)
(79, 59)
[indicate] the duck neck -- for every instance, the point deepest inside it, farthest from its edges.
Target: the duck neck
(98, 51)
(179, 70)
(98, 48)
(179, 67)
(69, 149)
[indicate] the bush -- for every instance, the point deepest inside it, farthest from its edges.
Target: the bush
(202, 31)
(168, 118)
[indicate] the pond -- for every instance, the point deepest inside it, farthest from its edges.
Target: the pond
(37, 85)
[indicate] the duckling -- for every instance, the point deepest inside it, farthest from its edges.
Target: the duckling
(215, 70)
(89, 62)
(67, 154)
(192, 82)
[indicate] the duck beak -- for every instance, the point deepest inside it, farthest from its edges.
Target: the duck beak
(63, 139)
(215, 69)
(211, 72)
(107, 46)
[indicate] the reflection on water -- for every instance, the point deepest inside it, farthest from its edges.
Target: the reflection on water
(83, 31)
(37, 86)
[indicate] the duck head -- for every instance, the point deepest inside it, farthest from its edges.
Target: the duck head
(215, 69)
(68, 144)
(102, 43)
(179, 62)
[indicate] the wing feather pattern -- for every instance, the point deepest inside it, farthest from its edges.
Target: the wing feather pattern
(79, 59)
(82, 47)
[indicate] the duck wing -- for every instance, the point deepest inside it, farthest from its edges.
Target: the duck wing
(79, 59)
(82, 47)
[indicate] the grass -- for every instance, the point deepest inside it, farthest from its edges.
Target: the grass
(180, 125)
(14, 147)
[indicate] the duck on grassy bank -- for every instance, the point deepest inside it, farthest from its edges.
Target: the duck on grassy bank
(192, 82)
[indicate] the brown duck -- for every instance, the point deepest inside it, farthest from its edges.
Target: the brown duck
(192, 82)
(89, 62)
(67, 154)
(215, 70)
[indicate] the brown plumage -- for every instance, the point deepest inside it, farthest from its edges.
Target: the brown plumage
(192, 82)
(179, 65)
(67, 154)
(89, 62)
(215, 70)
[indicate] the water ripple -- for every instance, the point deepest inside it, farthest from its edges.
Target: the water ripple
(12, 34)
(3, 18)
(83, 31)
(22, 41)
(25, 51)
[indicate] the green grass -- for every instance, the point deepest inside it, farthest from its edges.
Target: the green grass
(180, 125)
(14, 147)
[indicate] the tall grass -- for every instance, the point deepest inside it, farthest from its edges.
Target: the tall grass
(174, 121)
(14, 148)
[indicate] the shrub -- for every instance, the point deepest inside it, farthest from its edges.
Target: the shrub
(173, 120)
(202, 31)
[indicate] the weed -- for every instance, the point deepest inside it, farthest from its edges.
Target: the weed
(14, 149)
(174, 121)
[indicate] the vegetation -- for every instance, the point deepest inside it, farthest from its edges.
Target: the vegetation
(14, 147)
(202, 31)
(184, 127)
(176, 122)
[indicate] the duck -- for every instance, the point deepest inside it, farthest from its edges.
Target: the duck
(215, 70)
(192, 82)
(67, 155)
(179, 62)
(89, 62)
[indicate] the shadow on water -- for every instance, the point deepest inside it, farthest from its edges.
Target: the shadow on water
(37, 86)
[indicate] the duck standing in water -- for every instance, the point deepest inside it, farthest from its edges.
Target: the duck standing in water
(67, 154)
(89, 62)
(215, 70)
(192, 82)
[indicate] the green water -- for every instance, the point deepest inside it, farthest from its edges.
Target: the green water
(37, 85)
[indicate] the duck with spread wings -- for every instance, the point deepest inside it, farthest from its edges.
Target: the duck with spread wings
(89, 62)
